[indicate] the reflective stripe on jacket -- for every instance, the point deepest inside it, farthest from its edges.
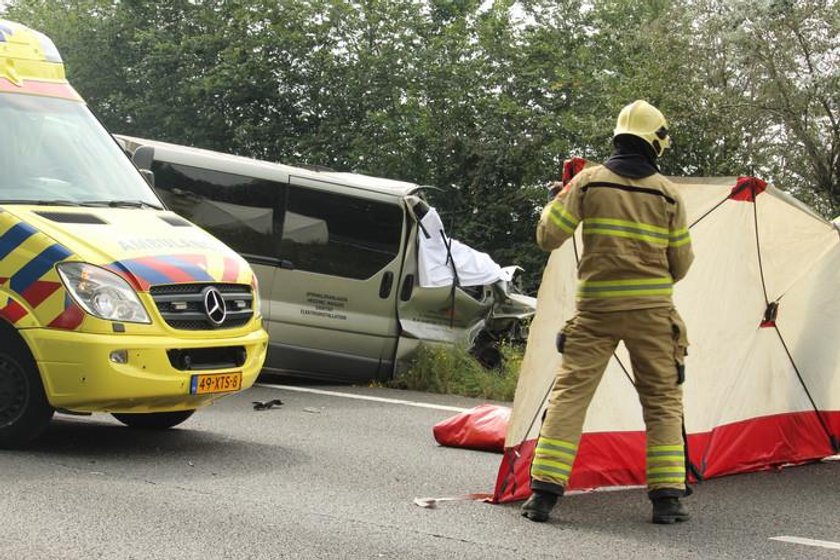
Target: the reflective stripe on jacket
(636, 242)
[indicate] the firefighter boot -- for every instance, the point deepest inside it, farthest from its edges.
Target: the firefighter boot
(538, 506)
(668, 510)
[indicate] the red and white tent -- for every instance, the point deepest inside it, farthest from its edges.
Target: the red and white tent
(763, 370)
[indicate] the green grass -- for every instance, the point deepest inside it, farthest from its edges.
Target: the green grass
(453, 370)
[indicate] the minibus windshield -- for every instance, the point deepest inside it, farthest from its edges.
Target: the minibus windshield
(54, 151)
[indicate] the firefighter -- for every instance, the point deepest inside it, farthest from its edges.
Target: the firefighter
(636, 245)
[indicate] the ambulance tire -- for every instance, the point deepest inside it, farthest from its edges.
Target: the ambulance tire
(153, 420)
(24, 410)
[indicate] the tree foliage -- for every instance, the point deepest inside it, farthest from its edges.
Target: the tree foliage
(482, 100)
(778, 66)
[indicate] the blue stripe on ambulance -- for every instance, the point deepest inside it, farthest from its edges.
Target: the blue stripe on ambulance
(37, 267)
(14, 238)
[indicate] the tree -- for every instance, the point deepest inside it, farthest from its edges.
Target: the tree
(780, 59)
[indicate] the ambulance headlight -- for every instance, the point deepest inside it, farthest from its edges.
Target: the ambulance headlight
(102, 293)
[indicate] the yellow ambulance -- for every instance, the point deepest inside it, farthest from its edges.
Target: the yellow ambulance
(108, 302)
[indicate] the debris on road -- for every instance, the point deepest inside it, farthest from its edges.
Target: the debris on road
(431, 503)
(260, 405)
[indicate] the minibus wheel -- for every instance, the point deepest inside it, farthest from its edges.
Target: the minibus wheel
(24, 409)
(153, 420)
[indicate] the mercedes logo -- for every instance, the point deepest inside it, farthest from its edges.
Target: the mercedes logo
(214, 305)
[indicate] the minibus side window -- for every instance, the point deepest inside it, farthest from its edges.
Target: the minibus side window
(339, 235)
(239, 210)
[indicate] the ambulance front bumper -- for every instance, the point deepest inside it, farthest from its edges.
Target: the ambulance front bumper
(82, 372)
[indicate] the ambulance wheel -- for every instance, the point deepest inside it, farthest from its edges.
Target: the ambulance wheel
(153, 420)
(24, 409)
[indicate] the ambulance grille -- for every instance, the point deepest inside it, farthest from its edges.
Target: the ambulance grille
(182, 305)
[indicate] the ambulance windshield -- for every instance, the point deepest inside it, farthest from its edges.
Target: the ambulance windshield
(55, 152)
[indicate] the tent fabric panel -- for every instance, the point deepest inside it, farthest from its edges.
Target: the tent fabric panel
(722, 312)
(809, 323)
(609, 459)
(604, 459)
(702, 195)
(513, 481)
(536, 376)
(761, 383)
(791, 242)
(768, 442)
(618, 458)
(615, 406)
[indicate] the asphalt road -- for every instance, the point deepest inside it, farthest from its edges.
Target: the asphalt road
(327, 476)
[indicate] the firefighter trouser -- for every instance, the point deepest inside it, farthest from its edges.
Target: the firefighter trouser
(656, 341)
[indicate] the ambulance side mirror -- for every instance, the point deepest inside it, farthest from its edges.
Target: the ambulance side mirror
(149, 175)
(143, 158)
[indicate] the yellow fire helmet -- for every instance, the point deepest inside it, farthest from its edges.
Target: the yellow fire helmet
(642, 119)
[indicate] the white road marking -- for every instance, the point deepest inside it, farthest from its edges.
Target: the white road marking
(363, 397)
(808, 542)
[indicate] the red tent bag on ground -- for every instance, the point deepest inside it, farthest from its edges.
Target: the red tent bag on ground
(483, 427)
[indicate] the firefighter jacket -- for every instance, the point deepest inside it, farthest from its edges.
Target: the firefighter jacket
(636, 242)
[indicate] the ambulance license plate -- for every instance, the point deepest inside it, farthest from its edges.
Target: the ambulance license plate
(215, 383)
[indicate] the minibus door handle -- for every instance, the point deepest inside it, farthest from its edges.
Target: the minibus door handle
(385, 286)
(407, 287)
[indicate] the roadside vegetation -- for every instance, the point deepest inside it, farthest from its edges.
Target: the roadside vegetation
(454, 370)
